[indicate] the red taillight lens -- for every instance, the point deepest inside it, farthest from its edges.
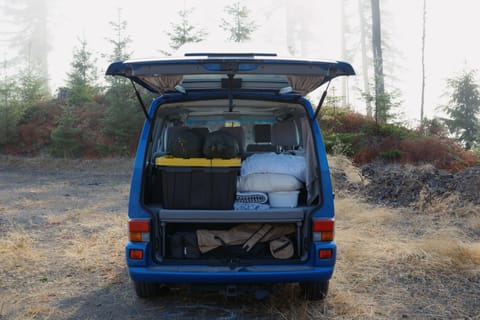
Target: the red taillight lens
(323, 225)
(136, 254)
(322, 229)
(139, 225)
(325, 253)
(139, 230)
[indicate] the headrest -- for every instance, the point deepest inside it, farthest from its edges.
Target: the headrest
(239, 134)
(285, 134)
(262, 133)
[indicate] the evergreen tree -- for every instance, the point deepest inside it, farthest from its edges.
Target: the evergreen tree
(65, 136)
(17, 97)
(120, 40)
(82, 77)
(184, 32)
(239, 26)
(124, 118)
(29, 33)
(32, 87)
(10, 111)
(368, 28)
(32, 91)
(464, 108)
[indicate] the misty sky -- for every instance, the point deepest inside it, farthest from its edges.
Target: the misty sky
(452, 44)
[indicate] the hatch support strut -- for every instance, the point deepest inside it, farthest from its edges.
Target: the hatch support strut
(144, 109)
(322, 99)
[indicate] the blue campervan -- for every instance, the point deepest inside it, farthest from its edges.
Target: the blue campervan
(231, 187)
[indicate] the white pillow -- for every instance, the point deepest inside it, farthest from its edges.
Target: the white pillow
(274, 163)
(268, 182)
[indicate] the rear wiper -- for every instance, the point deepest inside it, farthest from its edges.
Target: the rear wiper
(140, 100)
(322, 99)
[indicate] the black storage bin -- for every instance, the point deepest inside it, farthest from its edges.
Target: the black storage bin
(197, 187)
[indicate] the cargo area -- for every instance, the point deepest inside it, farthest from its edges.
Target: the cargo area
(230, 243)
(231, 187)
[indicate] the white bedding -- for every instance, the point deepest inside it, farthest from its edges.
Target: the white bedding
(274, 163)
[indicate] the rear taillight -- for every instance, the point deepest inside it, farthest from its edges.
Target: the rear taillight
(322, 229)
(325, 253)
(139, 230)
(136, 254)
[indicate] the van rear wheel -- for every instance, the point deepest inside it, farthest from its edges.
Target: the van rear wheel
(146, 289)
(317, 290)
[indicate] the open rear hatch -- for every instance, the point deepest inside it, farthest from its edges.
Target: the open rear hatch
(214, 71)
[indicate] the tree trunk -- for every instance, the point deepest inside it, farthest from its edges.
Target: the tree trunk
(380, 107)
(422, 103)
(365, 62)
(344, 50)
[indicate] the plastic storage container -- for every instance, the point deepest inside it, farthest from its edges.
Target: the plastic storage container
(283, 199)
(198, 183)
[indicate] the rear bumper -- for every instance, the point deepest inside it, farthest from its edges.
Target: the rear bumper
(313, 270)
(255, 274)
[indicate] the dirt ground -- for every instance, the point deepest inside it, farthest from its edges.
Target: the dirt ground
(63, 230)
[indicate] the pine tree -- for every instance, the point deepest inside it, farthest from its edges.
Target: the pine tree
(32, 87)
(120, 41)
(184, 32)
(464, 108)
(10, 110)
(239, 26)
(369, 41)
(82, 77)
(124, 118)
(65, 135)
(29, 33)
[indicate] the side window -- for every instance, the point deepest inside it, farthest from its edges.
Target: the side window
(158, 134)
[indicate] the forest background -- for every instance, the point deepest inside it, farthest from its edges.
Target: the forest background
(54, 98)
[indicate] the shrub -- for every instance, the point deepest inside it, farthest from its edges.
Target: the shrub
(391, 155)
(387, 130)
(443, 153)
(65, 137)
(35, 128)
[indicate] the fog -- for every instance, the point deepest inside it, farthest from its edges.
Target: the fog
(451, 42)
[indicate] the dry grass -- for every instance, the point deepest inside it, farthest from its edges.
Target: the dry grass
(16, 248)
(387, 256)
(344, 164)
(71, 256)
(63, 258)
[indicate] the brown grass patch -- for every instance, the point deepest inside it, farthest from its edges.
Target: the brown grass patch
(67, 261)
(378, 263)
(16, 248)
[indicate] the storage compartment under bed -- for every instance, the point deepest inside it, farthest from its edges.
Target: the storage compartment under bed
(191, 236)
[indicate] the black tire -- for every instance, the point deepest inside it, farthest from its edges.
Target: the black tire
(315, 290)
(146, 289)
